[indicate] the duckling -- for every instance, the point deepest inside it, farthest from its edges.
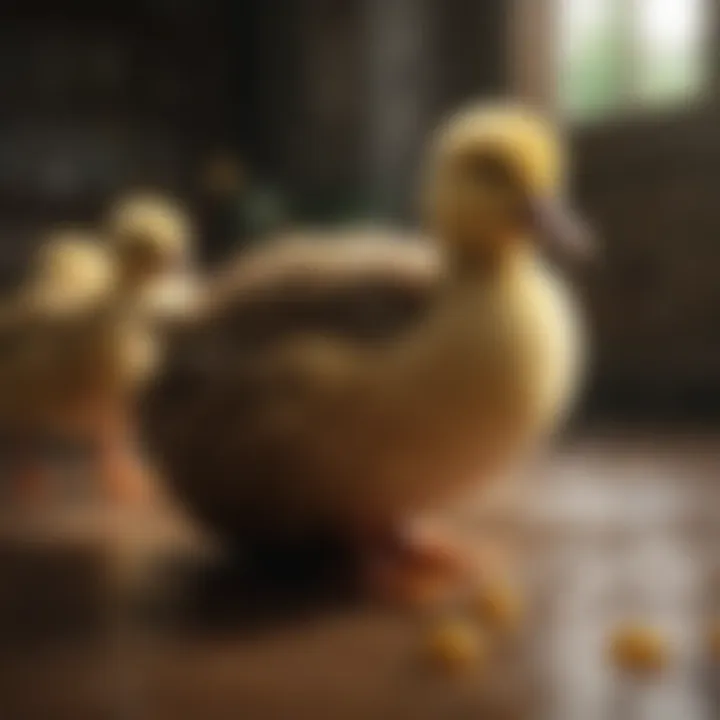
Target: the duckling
(70, 267)
(354, 385)
(81, 340)
(149, 233)
(148, 229)
(147, 238)
(150, 238)
(70, 273)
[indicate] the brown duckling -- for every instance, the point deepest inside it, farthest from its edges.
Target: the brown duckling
(352, 384)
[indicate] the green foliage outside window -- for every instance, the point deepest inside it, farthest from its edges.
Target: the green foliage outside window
(622, 55)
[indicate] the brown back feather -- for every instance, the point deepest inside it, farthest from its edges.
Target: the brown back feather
(360, 285)
(224, 407)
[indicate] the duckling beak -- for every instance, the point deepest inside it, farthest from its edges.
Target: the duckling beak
(561, 230)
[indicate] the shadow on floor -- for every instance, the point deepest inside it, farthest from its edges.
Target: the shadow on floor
(274, 585)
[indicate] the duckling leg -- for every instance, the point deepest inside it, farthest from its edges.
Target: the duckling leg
(421, 565)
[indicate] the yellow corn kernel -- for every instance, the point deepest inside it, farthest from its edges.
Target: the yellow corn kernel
(639, 648)
(499, 606)
(713, 640)
(455, 646)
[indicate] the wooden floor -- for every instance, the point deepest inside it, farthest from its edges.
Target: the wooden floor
(614, 526)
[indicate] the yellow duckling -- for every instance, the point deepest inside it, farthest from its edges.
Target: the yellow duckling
(70, 268)
(150, 239)
(147, 229)
(350, 385)
(149, 232)
(80, 339)
(70, 274)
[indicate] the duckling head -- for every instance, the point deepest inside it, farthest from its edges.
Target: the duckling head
(150, 235)
(496, 182)
(70, 267)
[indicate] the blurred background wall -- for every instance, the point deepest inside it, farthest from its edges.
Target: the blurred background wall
(331, 101)
(100, 97)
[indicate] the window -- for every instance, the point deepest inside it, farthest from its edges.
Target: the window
(620, 55)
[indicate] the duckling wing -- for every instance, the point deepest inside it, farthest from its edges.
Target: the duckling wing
(298, 311)
(357, 285)
(245, 402)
